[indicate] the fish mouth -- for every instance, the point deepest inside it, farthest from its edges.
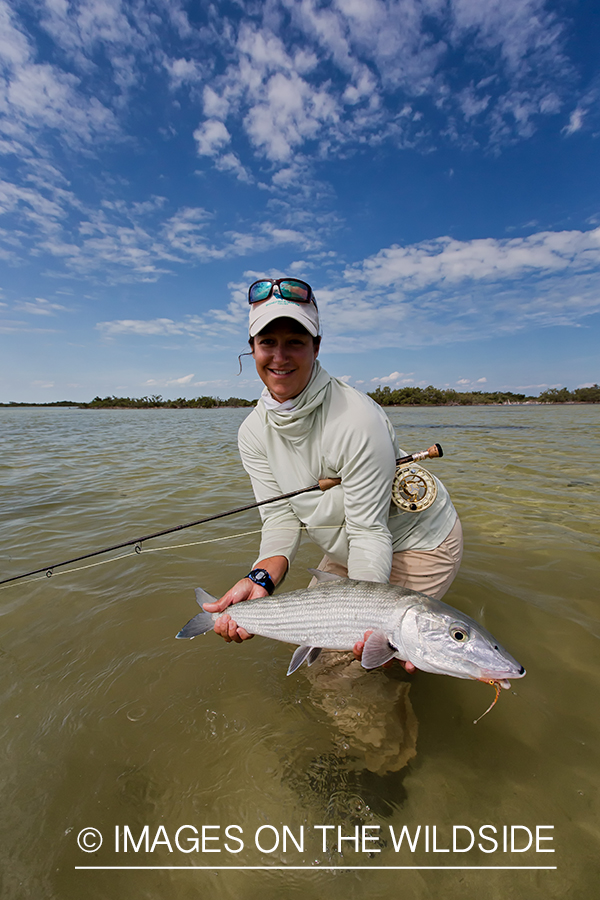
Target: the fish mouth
(501, 682)
(501, 678)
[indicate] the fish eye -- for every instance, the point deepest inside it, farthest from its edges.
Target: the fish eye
(460, 633)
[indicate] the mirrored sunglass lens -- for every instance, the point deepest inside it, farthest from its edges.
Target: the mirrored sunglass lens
(294, 290)
(260, 291)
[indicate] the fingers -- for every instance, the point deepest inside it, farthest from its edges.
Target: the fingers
(234, 595)
(229, 630)
(218, 605)
(358, 649)
(242, 590)
(360, 646)
(225, 626)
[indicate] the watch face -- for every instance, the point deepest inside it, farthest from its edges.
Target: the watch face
(262, 578)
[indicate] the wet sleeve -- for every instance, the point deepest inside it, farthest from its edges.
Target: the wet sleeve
(281, 528)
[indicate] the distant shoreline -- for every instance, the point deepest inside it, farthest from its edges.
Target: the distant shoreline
(413, 397)
(71, 406)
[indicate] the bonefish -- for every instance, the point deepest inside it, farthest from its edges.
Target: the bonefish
(405, 624)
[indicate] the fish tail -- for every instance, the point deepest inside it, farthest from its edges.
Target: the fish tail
(200, 624)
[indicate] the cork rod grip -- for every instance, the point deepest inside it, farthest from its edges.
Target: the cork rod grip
(434, 452)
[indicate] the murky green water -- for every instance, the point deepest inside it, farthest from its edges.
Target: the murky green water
(107, 721)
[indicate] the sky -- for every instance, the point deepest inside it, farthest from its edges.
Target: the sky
(430, 167)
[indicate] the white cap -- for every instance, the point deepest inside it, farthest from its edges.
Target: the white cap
(276, 307)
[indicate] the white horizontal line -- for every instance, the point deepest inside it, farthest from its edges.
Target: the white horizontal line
(314, 868)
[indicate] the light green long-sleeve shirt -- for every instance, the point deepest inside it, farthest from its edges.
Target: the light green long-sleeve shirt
(334, 431)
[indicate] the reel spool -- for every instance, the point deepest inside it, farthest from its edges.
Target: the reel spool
(414, 488)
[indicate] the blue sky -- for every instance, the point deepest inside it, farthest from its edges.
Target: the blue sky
(429, 166)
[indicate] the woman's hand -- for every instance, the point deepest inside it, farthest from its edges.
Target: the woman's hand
(245, 589)
(360, 645)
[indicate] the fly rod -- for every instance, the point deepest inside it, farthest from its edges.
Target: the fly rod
(322, 485)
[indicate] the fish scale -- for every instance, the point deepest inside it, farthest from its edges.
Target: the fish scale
(333, 617)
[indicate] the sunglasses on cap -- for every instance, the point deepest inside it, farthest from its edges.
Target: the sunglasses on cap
(289, 289)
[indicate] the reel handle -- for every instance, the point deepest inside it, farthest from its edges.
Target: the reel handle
(434, 452)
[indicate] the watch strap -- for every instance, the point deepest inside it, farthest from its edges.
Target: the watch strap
(262, 578)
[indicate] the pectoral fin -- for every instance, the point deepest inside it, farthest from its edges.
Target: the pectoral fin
(305, 652)
(377, 650)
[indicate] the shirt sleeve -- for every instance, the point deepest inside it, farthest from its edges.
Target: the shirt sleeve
(281, 530)
(366, 462)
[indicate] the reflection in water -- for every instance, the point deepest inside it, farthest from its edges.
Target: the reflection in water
(371, 710)
(372, 731)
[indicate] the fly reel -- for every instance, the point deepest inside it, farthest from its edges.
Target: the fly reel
(414, 488)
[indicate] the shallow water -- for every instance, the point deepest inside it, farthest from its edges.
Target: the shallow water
(107, 721)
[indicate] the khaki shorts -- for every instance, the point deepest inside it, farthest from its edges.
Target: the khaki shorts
(429, 571)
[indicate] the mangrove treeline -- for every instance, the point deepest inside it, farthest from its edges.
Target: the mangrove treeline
(432, 396)
(153, 402)
(157, 402)
(405, 396)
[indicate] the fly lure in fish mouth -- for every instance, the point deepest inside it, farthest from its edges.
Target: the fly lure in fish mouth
(498, 685)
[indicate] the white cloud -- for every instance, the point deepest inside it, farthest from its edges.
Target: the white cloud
(443, 291)
(8, 326)
(121, 242)
(39, 307)
(283, 78)
(169, 382)
(229, 162)
(35, 96)
(395, 378)
(575, 121)
(286, 113)
(215, 105)
(446, 260)
(184, 71)
(145, 327)
(211, 136)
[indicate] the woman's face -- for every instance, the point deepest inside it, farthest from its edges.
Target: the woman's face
(284, 354)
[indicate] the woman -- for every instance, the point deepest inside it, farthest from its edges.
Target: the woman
(306, 426)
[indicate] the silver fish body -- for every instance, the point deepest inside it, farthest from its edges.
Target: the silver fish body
(406, 624)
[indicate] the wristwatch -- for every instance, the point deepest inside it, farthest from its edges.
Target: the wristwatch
(262, 578)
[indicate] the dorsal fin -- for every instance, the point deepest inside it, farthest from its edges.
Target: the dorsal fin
(325, 576)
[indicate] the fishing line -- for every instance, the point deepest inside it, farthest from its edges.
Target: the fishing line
(104, 562)
(135, 552)
(323, 484)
